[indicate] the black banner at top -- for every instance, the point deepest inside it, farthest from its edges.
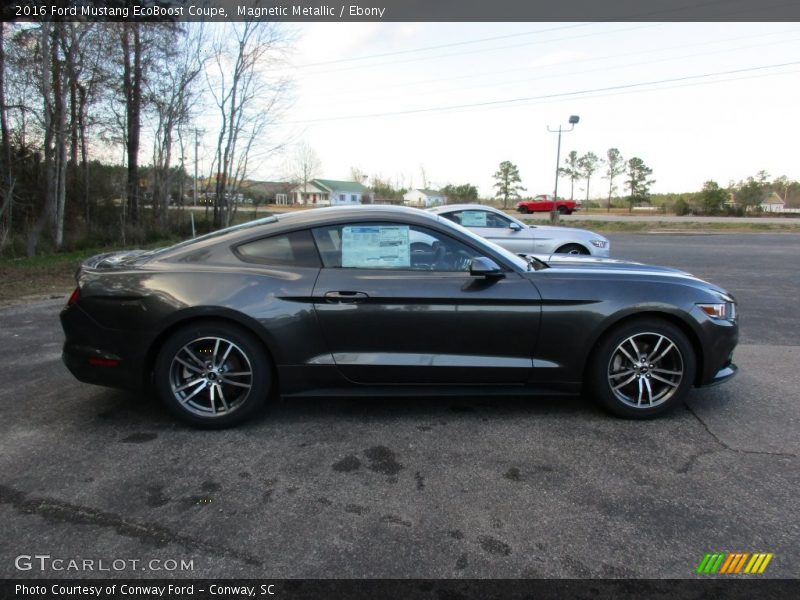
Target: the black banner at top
(403, 10)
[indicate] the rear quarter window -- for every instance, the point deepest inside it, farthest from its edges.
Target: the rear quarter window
(295, 249)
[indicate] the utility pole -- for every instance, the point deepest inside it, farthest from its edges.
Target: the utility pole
(196, 144)
(573, 120)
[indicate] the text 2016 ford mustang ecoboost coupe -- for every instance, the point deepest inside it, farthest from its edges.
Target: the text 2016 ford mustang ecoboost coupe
(388, 301)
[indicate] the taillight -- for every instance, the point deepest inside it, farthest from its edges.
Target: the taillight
(74, 297)
(103, 362)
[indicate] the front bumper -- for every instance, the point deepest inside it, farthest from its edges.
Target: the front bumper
(719, 339)
(604, 252)
(724, 374)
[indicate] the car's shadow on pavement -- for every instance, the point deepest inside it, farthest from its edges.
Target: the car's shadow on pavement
(115, 407)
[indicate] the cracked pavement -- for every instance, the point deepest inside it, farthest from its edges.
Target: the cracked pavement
(485, 487)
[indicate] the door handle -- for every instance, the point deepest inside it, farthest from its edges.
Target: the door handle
(345, 297)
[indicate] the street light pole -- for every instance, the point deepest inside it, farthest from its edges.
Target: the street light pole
(573, 120)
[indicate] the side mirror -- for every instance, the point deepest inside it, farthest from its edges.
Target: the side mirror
(480, 266)
(514, 226)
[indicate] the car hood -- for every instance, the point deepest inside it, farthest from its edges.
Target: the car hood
(594, 263)
(581, 260)
(570, 264)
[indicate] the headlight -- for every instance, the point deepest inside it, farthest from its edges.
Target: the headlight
(725, 311)
(599, 243)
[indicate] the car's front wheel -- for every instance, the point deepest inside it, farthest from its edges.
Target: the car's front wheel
(642, 369)
(576, 249)
(524, 210)
(213, 374)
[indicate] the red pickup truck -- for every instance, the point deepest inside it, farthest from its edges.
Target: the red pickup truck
(546, 203)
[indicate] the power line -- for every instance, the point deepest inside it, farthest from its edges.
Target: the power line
(635, 16)
(644, 91)
(440, 46)
(546, 96)
(596, 70)
(485, 50)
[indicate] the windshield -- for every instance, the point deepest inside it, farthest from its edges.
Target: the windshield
(512, 258)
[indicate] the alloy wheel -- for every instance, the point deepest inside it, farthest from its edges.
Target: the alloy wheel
(211, 377)
(645, 370)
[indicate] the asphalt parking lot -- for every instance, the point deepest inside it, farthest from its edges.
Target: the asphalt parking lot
(433, 488)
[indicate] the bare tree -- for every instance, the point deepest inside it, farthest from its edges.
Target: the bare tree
(6, 173)
(132, 74)
(53, 92)
(306, 165)
(171, 93)
(358, 174)
(247, 101)
(84, 73)
(423, 172)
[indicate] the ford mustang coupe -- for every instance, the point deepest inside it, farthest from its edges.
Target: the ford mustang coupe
(379, 301)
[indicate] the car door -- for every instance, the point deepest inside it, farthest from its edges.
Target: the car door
(543, 204)
(543, 238)
(397, 305)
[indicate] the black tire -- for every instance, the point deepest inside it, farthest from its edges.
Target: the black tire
(573, 249)
(225, 394)
(563, 210)
(609, 364)
(524, 210)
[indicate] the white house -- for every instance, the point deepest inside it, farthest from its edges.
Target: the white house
(423, 198)
(328, 192)
(773, 204)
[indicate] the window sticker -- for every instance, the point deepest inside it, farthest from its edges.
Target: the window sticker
(473, 218)
(376, 247)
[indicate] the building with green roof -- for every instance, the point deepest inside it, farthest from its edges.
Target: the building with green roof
(329, 192)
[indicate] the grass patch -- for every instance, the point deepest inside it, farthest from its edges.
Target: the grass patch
(39, 276)
(47, 274)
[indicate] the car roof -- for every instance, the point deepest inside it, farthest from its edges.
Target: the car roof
(335, 213)
(288, 221)
(457, 207)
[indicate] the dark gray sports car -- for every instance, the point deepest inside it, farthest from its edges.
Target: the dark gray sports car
(388, 301)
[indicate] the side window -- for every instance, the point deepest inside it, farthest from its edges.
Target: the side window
(478, 218)
(391, 246)
(500, 221)
(289, 249)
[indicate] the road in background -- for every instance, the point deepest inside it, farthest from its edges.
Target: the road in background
(655, 217)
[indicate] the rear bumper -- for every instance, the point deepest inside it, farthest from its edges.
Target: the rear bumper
(98, 355)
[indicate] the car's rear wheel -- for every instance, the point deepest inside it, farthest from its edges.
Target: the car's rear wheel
(642, 369)
(572, 249)
(213, 374)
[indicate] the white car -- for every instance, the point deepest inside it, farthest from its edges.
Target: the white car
(520, 238)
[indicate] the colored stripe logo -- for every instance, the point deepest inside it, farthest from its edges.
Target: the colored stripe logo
(732, 563)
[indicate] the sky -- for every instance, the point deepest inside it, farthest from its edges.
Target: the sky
(695, 101)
